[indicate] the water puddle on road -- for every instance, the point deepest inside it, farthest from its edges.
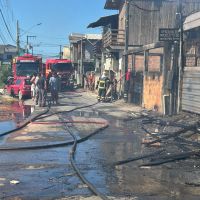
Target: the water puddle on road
(12, 114)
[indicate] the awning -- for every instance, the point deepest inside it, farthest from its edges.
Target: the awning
(192, 21)
(104, 21)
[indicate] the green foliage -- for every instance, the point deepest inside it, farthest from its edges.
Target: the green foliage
(5, 72)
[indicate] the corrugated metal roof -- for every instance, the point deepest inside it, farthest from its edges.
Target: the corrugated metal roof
(93, 36)
(75, 37)
(192, 21)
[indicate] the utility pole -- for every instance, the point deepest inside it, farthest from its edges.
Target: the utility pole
(81, 64)
(180, 61)
(27, 44)
(18, 42)
(126, 47)
(126, 35)
(60, 51)
(28, 36)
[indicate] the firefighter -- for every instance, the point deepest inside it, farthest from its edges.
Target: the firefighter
(102, 86)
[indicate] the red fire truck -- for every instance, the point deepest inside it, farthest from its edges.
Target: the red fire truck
(26, 65)
(23, 67)
(64, 69)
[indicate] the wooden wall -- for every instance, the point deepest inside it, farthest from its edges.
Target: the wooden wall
(144, 24)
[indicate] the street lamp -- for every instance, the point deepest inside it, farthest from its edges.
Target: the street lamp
(30, 36)
(30, 28)
(20, 35)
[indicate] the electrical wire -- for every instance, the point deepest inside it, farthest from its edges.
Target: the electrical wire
(7, 12)
(7, 26)
(3, 39)
(143, 9)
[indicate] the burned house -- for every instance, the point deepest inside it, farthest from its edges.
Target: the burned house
(155, 63)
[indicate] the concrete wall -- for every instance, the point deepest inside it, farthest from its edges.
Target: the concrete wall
(110, 63)
(66, 52)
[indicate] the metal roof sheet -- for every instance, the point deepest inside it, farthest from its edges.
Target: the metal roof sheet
(192, 21)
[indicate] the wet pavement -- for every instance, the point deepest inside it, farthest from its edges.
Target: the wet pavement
(12, 113)
(47, 173)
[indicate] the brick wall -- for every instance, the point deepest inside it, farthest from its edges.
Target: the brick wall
(154, 63)
(152, 93)
(139, 63)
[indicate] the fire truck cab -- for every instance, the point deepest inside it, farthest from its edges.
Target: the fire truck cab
(26, 65)
(64, 69)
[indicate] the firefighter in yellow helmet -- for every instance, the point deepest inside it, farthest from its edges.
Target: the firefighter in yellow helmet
(102, 85)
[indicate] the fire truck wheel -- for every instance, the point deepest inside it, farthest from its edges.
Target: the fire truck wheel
(12, 93)
(20, 95)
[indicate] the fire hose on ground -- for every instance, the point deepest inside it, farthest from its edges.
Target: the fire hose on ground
(74, 143)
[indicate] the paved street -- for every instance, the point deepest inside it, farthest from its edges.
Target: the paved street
(48, 174)
(100, 100)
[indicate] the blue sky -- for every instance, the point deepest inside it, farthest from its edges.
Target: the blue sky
(59, 18)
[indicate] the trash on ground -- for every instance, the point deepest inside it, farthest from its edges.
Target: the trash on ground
(14, 182)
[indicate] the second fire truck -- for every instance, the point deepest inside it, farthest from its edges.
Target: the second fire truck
(64, 69)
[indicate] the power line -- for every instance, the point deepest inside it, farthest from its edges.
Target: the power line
(6, 12)
(3, 38)
(55, 38)
(143, 9)
(6, 26)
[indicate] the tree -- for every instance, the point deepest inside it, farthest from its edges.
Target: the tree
(5, 72)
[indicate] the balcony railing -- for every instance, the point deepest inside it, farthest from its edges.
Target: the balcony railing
(114, 38)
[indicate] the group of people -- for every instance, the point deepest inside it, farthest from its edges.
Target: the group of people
(107, 88)
(39, 88)
(90, 81)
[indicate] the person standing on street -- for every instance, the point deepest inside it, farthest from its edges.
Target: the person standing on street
(37, 89)
(54, 88)
(33, 92)
(102, 86)
(48, 78)
(41, 84)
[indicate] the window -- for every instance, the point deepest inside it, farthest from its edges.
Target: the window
(9, 57)
(27, 82)
(18, 82)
